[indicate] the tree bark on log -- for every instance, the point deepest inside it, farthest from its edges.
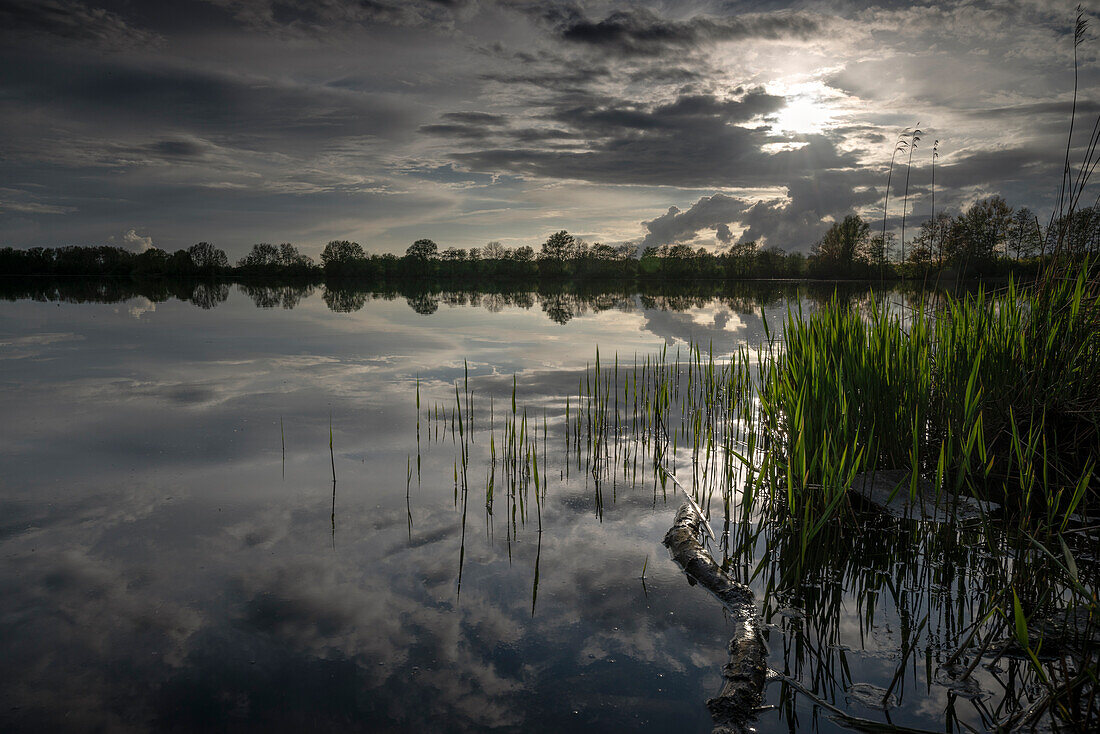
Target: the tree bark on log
(744, 674)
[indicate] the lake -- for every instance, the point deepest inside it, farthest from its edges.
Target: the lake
(235, 517)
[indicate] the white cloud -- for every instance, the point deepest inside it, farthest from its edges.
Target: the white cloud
(137, 241)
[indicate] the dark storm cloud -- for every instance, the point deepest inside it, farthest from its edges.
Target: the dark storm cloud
(710, 212)
(1060, 110)
(176, 149)
(456, 131)
(573, 78)
(479, 126)
(531, 134)
(687, 109)
(71, 21)
(781, 224)
(321, 16)
(475, 118)
(641, 32)
(1001, 166)
(495, 128)
(663, 74)
(692, 141)
(792, 223)
(248, 111)
(732, 159)
(834, 193)
(862, 134)
(812, 201)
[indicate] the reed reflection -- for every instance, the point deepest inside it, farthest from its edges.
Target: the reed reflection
(885, 605)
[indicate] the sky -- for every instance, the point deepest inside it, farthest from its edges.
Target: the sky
(709, 122)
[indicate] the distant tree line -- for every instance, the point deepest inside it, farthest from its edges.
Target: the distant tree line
(989, 238)
(200, 260)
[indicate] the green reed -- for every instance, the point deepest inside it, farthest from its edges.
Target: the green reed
(987, 396)
(995, 397)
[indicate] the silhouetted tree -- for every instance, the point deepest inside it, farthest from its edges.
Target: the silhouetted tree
(879, 248)
(494, 251)
(339, 256)
(739, 259)
(558, 246)
(770, 260)
(290, 257)
(153, 261)
(1024, 236)
(423, 249)
(262, 256)
(922, 248)
(844, 242)
(977, 236)
(559, 307)
(1080, 233)
(272, 296)
(207, 258)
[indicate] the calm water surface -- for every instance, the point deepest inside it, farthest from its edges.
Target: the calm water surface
(176, 557)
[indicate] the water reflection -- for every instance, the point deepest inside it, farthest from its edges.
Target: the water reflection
(872, 615)
(209, 295)
(277, 296)
(345, 301)
(169, 513)
(560, 304)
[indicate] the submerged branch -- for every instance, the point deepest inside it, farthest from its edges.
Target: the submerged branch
(745, 672)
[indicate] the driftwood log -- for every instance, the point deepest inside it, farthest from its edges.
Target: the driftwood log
(744, 674)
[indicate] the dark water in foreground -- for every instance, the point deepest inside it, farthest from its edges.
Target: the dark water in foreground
(175, 556)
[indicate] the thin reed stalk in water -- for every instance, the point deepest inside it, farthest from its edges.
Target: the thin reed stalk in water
(331, 455)
(899, 145)
(914, 138)
(939, 253)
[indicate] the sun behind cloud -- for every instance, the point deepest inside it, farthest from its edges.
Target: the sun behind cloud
(807, 110)
(801, 116)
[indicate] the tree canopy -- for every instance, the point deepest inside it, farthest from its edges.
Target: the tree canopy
(340, 252)
(844, 242)
(558, 246)
(423, 249)
(208, 258)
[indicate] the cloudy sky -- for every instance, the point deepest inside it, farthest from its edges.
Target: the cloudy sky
(382, 121)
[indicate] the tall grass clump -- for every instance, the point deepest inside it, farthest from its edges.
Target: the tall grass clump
(1018, 388)
(988, 396)
(846, 393)
(994, 396)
